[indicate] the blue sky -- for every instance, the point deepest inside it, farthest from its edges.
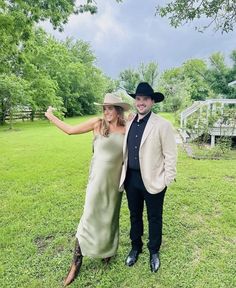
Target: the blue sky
(122, 35)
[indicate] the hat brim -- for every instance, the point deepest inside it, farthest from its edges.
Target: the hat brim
(156, 96)
(125, 106)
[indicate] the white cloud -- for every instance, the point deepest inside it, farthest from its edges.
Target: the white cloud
(124, 35)
(107, 27)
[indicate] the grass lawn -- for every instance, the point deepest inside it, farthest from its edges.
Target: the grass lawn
(42, 188)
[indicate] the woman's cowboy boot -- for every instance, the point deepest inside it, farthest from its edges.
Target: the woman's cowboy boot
(76, 264)
(106, 260)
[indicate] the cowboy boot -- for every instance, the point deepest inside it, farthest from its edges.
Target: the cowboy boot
(76, 264)
(106, 260)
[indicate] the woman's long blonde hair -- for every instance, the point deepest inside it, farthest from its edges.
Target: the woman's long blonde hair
(105, 128)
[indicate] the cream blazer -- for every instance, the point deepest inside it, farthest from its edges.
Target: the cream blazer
(157, 154)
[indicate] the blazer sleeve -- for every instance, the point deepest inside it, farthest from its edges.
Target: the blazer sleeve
(169, 150)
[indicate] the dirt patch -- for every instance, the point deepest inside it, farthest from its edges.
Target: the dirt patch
(42, 242)
(230, 178)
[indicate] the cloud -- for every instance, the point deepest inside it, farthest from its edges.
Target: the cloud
(122, 35)
(107, 27)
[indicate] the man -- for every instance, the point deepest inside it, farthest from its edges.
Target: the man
(149, 167)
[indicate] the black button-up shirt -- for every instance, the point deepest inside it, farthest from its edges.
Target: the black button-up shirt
(134, 139)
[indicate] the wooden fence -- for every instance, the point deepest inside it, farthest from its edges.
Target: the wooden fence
(25, 115)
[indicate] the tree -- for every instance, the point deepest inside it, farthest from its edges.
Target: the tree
(129, 79)
(56, 73)
(111, 85)
(70, 66)
(232, 72)
(56, 11)
(195, 70)
(17, 20)
(149, 73)
(176, 88)
(12, 95)
(14, 30)
(220, 13)
(41, 62)
(43, 92)
(219, 75)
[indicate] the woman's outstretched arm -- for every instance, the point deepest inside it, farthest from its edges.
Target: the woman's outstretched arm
(87, 126)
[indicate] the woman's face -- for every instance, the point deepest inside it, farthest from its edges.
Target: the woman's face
(110, 113)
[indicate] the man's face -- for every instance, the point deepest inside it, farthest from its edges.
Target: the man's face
(143, 104)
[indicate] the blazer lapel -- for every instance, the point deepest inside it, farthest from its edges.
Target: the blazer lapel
(128, 125)
(148, 128)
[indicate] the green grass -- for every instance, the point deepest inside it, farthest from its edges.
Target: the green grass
(170, 117)
(42, 188)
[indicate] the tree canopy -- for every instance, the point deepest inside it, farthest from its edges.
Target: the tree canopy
(56, 11)
(221, 14)
(129, 78)
(194, 80)
(36, 70)
(51, 72)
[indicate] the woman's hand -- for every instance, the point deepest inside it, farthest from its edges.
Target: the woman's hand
(49, 111)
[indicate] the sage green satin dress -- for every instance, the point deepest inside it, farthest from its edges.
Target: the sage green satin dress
(98, 230)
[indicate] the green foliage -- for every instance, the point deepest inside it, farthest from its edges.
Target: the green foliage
(201, 122)
(64, 74)
(112, 85)
(197, 81)
(176, 88)
(61, 74)
(195, 70)
(12, 95)
(14, 30)
(129, 78)
(80, 51)
(43, 91)
(17, 20)
(222, 149)
(71, 65)
(223, 145)
(219, 75)
(56, 11)
(149, 73)
(233, 70)
(221, 14)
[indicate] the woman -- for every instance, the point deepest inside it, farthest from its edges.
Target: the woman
(98, 231)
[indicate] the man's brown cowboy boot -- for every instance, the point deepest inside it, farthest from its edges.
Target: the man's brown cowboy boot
(76, 264)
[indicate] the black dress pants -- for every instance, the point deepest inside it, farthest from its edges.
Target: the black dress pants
(136, 196)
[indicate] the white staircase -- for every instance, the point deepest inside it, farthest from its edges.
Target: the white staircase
(189, 111)
(217, 130)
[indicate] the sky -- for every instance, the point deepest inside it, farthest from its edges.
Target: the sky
(124, 35)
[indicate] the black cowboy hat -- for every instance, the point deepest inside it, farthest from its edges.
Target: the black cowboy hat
(144, 89)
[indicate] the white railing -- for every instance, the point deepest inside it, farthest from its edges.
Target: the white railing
(217, 130)
(189, 111)
(199, 104)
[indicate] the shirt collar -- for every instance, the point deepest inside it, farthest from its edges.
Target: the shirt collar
(144, 119)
